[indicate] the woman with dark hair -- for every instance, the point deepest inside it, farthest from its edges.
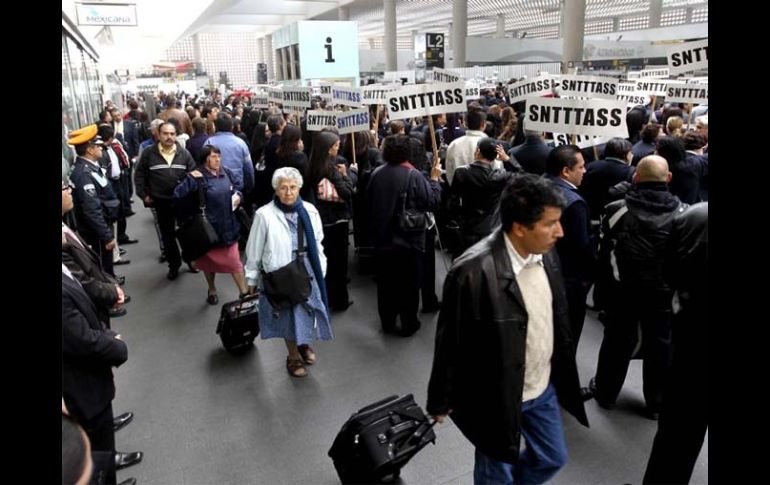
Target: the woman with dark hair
(330, 189)
(510, 125)
(636, 118)
(686, 172)
(602, 174)
(290, 151)
(221, 197)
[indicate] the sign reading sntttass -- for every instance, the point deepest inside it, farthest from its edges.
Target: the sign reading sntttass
(346, 96)
(690, 56)
(317, 120)
(426, 99)
(353, 120)
(538, 86)
(587, 86)
(296, 97)
(596, 117)
(375, 94)
(687, 93)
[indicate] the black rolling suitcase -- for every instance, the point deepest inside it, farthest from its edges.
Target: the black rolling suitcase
(239, 324)
(379, 439)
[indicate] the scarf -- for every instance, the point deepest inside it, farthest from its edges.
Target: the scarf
(310, 243)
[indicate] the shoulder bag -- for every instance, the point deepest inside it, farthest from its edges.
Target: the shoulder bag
(289, 285)
(411, 220)
(196, 235)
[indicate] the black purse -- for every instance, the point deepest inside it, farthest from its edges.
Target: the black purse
(196, 235)
(289, 285)
(411, 220)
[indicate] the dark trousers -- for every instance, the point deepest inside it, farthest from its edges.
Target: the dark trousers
(101, 432)
(399, 273)
(577, 293)
(428, 286)
(335, 245)
(98, 247)
(684, 418)
(167, 226)
(651, 311)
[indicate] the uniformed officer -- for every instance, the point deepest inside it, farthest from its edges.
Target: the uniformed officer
(96, 205)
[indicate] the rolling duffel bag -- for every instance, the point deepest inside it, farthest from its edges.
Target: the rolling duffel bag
(239, 324)
(379, 439)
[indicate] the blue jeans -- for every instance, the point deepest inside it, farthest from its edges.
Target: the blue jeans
(545, 451)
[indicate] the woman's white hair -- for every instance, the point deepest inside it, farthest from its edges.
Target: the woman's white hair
(286, 173)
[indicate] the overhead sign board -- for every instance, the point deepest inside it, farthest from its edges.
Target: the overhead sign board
(434, 50)
(106, 14)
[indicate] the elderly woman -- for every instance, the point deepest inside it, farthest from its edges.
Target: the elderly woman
(221, 196)
(272, 245)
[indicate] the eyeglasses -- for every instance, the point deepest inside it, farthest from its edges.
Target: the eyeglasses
(288, 189)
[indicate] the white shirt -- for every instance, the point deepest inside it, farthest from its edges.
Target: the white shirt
(460, 152)
(519, 262)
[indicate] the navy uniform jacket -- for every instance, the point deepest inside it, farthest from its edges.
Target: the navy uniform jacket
(89, 351)
(96, 205)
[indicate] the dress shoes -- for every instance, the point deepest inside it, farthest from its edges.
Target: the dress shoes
(212, 299)
(126, 298)
(130, 481)
(431, 307)
(118, 312)
(172, 273)
(122, 261)
(122, 251)
(121, 280)
(588, 393)
(127, 240)
(123, 460)
(122, 420)
(410, 330)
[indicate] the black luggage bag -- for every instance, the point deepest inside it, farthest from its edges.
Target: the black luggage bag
(239, 324)
(379, 439)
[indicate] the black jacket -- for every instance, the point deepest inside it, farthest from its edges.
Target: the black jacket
(478, 364)
(156, 178)
(599, 177)
(531, 154)
(96, 205)
(89, 352)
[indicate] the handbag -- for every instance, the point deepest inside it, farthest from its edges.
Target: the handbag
(326, 191)
(411, 220)
(289, 285)
(196, 235)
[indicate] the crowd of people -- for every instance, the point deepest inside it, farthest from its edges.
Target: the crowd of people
(532, 229)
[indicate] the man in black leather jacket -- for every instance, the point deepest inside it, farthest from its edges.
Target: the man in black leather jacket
(635, 234)
(504, 350)
(685, 418)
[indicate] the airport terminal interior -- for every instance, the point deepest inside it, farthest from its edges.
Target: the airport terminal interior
(201, 414)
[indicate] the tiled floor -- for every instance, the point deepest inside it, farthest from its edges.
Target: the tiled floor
(203, 416)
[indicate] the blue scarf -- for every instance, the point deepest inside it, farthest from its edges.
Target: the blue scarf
(310, 243)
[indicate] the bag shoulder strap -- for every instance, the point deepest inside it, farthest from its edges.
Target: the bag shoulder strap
(405, 190)
(300, 236)
(201, 195)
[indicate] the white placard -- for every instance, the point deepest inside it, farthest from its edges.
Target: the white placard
(326, 92)
(635, 98)
(633, 75)
(626, 88)
(687, 93)
(587, 86)
(376, 93)
(582, 141)
(444, 76)
(472, 90)
(317, 120)
(653, 88)
(296, 97)
(426, 99)
(690, 56)
(353, 120)
(275, 95)
(655, 73)
(599, 117)
(260, 100)
(346, 96)
(538, 86)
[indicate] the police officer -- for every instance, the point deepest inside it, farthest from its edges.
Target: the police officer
(96, 205)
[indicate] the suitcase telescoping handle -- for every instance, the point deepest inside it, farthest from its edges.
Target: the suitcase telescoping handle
(245, 299)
